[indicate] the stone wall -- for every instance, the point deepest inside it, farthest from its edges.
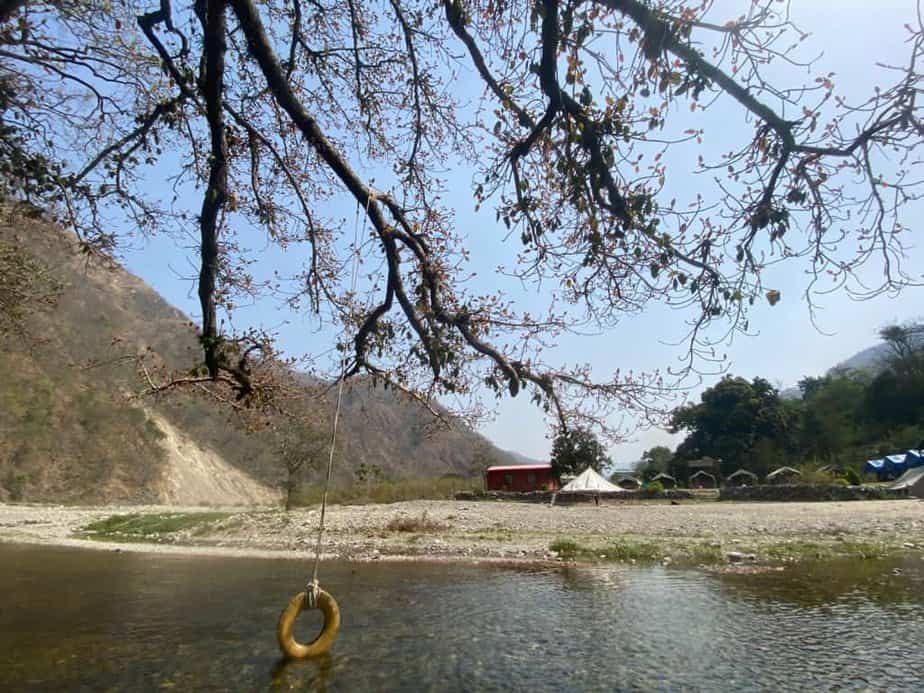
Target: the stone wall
(572, 498)
(805, 492)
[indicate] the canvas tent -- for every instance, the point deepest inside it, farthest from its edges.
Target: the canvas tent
(783, 475)
(914, 458)
(589, 481)
(912, 481)
(628, 482)
(894, 465)
(666, 480)
(876, 467)
(702, 479)
(742, 478)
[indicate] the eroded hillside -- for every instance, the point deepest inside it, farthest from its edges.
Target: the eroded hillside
(74, 429)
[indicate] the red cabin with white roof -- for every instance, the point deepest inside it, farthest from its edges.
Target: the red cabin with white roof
(520, 478)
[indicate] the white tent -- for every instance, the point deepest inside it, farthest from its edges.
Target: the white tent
(912, 480)
(590, 481)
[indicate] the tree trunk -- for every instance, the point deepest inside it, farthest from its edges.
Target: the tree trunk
(291, 487)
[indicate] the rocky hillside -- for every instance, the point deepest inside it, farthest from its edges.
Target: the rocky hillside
(72, 433)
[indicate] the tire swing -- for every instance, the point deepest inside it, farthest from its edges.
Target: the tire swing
(321, 644)
(313, 597)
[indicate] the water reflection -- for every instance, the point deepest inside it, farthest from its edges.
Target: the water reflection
(81, 619)
(315, 674)
(887, 582)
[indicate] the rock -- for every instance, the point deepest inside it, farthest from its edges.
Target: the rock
(735, 556)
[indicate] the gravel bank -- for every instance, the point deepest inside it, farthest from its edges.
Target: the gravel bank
(762, 532)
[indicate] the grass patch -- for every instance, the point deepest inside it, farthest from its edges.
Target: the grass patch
(142, 527)
(640, 552)
(565, 548)
(414, 524)
(388, 491)
(864, 550)
(615, 552)
(799, 551)
(704, 554)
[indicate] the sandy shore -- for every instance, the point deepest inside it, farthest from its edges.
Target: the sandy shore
(693, 532)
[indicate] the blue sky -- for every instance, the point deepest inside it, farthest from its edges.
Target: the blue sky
(786, 346)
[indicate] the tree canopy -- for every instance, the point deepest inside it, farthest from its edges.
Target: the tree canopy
(656, 460)
(733, 417)
(843, 417)
(575, 450)
(588, 112)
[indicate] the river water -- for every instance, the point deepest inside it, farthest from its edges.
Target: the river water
(98, 620)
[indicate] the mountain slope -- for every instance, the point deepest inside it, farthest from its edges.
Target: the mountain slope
(72, 433)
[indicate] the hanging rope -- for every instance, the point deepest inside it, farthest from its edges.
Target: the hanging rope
(313, 584)
(314, 597)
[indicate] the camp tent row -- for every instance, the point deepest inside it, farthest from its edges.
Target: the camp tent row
(893, 466)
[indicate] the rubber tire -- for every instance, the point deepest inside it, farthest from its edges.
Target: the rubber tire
(321, 644)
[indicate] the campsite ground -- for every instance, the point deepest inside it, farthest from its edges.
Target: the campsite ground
(697, 533)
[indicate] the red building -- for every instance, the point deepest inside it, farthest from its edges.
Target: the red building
(520, 478)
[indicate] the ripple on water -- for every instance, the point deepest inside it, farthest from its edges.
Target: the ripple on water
(141, 622)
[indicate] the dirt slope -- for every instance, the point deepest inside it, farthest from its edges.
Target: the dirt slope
(196, 475)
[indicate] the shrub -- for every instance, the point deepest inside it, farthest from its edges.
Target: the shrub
(840, 481)
(655, 487)
(851, 477)
(565, 548)
(414, 524)
(387, 491)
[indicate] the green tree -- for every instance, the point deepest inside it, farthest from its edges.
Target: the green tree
(575, 450)
(831, 418)
(655, 461)
(731, 418)
(895, 397)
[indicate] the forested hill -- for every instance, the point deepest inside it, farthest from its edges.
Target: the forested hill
(70, 433)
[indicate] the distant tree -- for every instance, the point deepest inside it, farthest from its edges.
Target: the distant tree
(809, 385)
(26, 284)
(368, 473)
(655, 461)
(895, 397)
(302, 447)
(731, 418)
(904, 341)
(575, 450)
(830, 418)
(484, 455)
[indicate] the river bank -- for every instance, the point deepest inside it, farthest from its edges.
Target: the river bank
(695, 533)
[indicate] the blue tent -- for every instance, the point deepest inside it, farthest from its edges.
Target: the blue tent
(895, 465)
(876, 467)
(914, 458)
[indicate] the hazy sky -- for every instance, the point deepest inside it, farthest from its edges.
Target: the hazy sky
(853, 35)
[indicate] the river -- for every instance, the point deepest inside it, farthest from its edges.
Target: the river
(74, 619)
